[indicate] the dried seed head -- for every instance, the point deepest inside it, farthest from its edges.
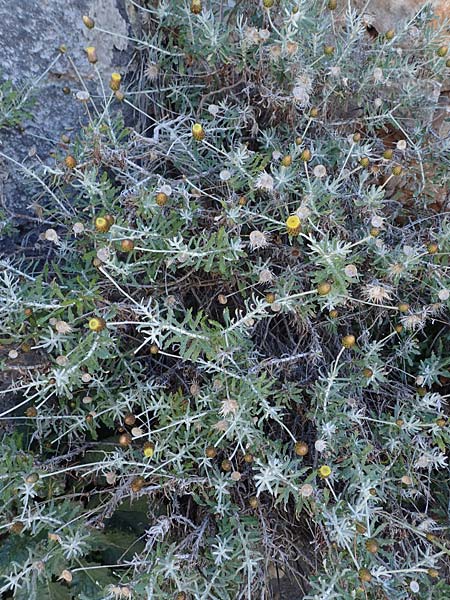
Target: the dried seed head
(264, 181)
(360, 528)
(266, 276)
(320, 171)
(258, 239)
(351, 270)
(253, 502)
(137, 484)
(210, 452)
(373, 292)
(51, 235)
(228, 406)
(226, 465)
(129, 419)
(32, 478)
(66, 575)
(301, 448)
(62, 327)
(306, 490)
(127, 245)
(17, 527)
(125, 440)
(70, 162)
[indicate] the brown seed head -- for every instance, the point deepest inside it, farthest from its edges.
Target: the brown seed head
(125, 440)
(127, 245)
(348, 341)
(129, 419)
(301, 448)
(70, 162)
(210, 452)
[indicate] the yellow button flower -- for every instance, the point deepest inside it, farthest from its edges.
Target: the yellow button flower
(198, 133)
(293, 225)
(91, 54)
(114, 83)
(324, 471)
(97, 324)
(149, 449)
(102, 225)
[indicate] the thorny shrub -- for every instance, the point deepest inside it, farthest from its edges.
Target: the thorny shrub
(237, 318)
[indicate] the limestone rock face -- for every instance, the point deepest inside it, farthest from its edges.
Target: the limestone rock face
(384, 15)
(31, 33)
(389, 14)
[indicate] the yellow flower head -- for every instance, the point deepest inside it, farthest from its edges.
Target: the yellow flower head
(114, 83)
(198, 133)
(97, 324)
(324, 471)
(91, 54)
(293, 225)
(149, 449)
(102, 225)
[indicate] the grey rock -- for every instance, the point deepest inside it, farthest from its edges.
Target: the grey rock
(391, 14)
(31, 34)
